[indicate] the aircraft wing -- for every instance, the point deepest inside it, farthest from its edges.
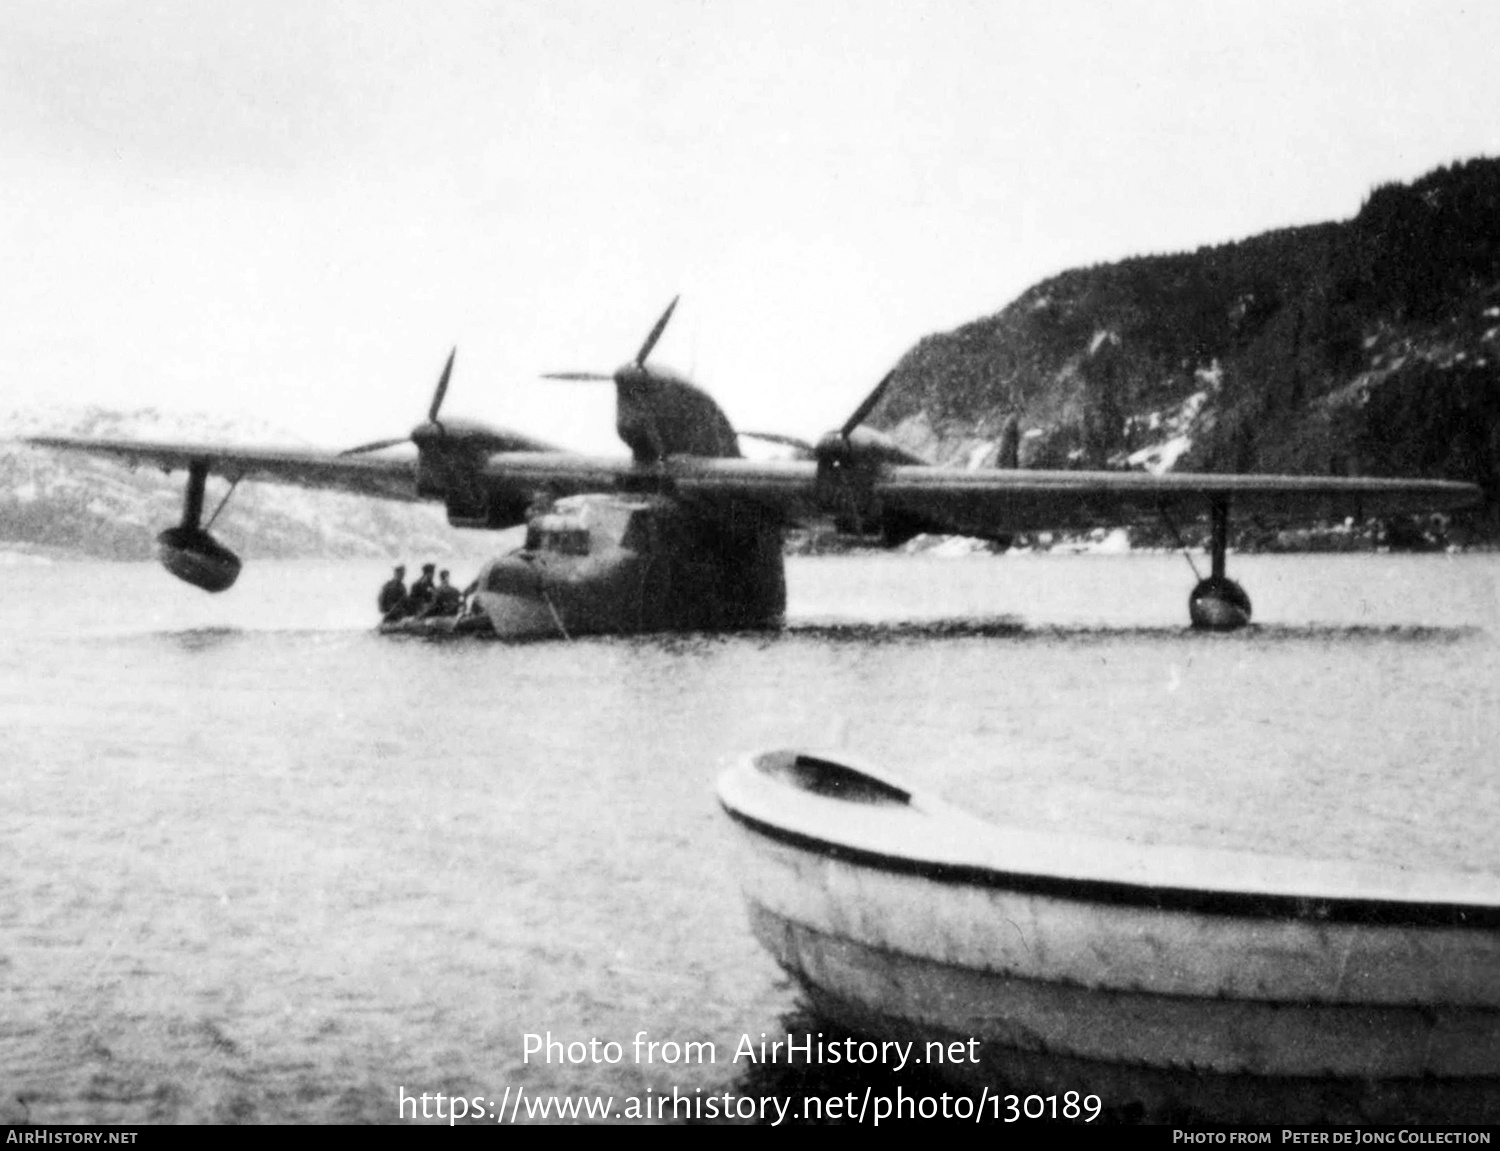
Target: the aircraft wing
(983, 502)
(367, 475)
(958, 501)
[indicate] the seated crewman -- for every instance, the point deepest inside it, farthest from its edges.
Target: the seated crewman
(393, 594)
(446, 599)
(419, 599)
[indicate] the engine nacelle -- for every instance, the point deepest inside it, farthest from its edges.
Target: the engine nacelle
(195, 557)
(485, 513)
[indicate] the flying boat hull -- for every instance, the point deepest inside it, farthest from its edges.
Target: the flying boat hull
(620, 565)
(1226, 986)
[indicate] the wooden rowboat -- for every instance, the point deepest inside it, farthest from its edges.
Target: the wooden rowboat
(1182, 981)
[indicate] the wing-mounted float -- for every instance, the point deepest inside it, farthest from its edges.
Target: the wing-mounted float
(451, 457)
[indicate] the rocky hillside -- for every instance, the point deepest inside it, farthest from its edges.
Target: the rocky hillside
(58, 505)
(1370, 347)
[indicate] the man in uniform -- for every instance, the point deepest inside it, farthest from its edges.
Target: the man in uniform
(393, 594)
(446, 599)
(420, 596)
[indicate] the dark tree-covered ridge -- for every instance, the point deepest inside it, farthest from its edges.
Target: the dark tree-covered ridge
(1369, 346)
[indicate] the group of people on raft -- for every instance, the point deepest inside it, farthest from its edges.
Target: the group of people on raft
(425, 599)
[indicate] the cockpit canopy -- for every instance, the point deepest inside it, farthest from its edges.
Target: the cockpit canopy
(591, 525)
(559, 534)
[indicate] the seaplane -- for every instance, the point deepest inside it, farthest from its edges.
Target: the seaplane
(685, 533)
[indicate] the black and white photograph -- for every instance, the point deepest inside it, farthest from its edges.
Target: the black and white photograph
(706, 562)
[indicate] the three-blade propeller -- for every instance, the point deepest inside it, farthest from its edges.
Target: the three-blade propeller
(442, 388)
(834, 443)
(866, 407)
(635, 366)
(425, 431)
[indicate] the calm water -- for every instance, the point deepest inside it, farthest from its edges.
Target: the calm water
(258, 863)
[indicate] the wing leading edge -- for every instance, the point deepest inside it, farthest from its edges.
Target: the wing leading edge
(377, 476)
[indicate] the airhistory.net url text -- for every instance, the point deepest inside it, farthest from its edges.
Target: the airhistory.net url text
(516, 1106)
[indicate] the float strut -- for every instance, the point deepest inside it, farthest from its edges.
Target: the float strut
(1220, 541)
(192, 499)
(234, 483)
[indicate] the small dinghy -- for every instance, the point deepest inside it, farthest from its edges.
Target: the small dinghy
(439, 626)
(1180, 981)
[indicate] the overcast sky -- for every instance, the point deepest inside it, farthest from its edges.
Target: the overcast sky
(293, 209)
